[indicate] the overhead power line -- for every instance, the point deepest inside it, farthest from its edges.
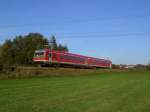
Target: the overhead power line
(107, 35)
(71, 21)
(97, 35)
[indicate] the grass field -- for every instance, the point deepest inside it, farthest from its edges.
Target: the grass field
(107, 92)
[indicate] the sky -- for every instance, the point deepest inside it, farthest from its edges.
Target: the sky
(114, 29)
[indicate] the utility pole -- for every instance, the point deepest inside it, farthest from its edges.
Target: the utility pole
(46, 45)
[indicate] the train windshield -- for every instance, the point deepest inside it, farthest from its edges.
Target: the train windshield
(39, 54)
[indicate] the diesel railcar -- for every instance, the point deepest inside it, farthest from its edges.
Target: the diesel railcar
(53, 57)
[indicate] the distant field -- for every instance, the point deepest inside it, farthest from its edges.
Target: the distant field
(106, 92)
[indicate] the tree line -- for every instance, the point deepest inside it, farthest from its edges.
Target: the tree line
(135, 67)
(20, 50)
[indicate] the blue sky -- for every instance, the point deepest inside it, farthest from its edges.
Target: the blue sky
(115, 29)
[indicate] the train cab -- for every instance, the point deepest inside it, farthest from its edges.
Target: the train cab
(41, 55)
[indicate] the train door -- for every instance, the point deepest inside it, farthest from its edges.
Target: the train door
(50, 57)
(54, 56)
(86, 61)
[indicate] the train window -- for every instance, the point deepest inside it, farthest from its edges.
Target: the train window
(39, 54)
(73, 58)
(54, 55)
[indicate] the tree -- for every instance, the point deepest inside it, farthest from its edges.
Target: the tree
(62, 48)
(32, 42)
(7, 53)
(54, 46)
(1, 63)
(21, 49)
(148, 67)
(115, 66)
(65, 48)
(53, 43)
(140, 67)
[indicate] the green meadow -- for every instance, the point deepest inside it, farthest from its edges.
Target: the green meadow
(104, 92)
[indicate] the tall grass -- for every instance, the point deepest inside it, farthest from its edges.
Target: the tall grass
(27, 72)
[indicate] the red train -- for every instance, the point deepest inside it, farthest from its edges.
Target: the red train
(52, 57)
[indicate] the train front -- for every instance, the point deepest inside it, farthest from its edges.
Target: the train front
(41, 56)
